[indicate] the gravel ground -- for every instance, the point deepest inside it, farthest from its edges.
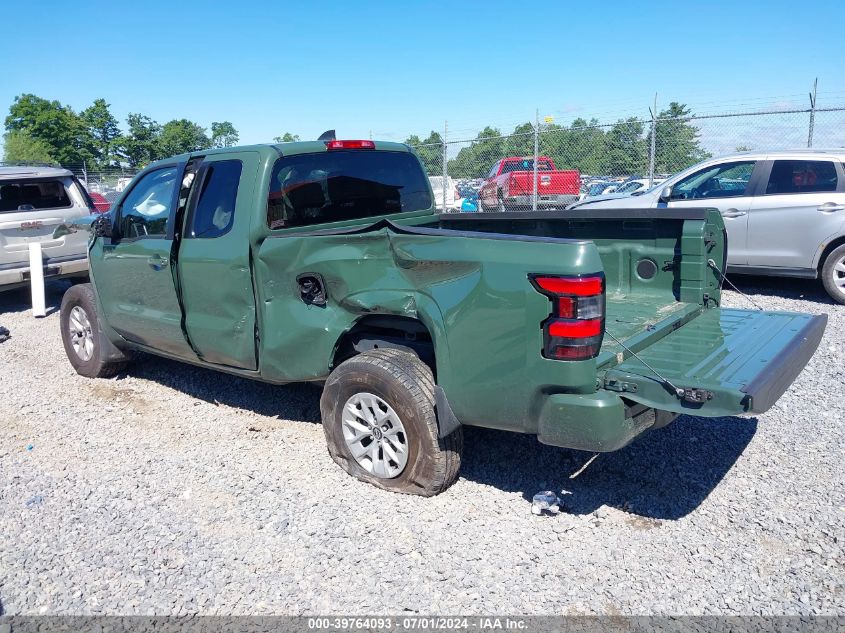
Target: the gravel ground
(173, 490)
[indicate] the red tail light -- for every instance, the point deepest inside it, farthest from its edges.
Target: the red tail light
(350, 145)
(584, 286)
(575, 327)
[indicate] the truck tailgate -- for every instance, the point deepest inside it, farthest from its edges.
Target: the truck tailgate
(548, 182)
(741, 361)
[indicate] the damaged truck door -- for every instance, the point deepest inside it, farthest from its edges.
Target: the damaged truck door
(325, 261)
(213, 261)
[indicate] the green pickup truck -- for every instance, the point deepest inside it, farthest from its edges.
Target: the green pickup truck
(326, 261)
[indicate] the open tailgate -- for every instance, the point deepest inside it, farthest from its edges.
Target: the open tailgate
(740, 361)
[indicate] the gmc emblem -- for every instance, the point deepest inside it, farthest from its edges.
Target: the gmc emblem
(35, 224)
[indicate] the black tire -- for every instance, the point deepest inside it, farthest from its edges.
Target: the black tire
(105, 359)
(406, 384)
(830, 274)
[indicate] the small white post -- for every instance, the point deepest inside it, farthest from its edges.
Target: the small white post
(36, 280)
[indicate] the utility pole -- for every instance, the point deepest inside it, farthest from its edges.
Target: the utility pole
(445, 169)
(536, 158)
(653, 147)
(812, 112)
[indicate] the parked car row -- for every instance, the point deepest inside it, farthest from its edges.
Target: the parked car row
(626, 187)
(784, 211)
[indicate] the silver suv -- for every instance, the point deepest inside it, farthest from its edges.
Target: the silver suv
(33, 202)
(784, 211)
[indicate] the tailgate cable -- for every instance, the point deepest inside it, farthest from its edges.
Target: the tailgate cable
(713, 265)
(678, 392)
(692, 394)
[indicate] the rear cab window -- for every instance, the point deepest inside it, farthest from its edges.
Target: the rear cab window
(332, 186)
(215, 210)
(526, 164)
(33, 195)
(802, 176)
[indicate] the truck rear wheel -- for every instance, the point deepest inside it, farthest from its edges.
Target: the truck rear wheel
(87, 349)
(380, 424)
(833, 274)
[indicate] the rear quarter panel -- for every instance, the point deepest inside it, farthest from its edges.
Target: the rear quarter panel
(472, 293)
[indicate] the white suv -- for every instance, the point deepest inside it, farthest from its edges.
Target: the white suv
(784, 211)
(33, 202)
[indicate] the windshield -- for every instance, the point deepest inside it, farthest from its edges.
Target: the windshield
(630, 186)
(344, 185)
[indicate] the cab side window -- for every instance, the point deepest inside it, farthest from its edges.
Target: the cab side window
(727, 180)
(145, 211)
(802, 176)
(215, 209)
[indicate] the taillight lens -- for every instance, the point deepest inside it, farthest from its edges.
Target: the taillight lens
(350, 145)
(575, 327)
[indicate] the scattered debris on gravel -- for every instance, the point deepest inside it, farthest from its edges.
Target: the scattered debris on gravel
(172, 489)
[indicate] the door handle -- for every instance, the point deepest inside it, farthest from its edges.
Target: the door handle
(733, 213)
(157, 262)
(831, 206)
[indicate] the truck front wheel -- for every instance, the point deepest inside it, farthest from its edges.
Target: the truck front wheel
(381, 427)
(87, 349)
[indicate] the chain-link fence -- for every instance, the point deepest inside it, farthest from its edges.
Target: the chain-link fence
(104, 185)
(545, 165)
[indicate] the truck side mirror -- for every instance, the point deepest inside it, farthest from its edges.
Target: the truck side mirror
(666, 194)
(103, 226)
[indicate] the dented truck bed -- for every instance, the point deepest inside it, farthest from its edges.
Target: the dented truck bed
(669, 348)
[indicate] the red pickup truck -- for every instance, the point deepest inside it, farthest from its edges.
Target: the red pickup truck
(508, 185)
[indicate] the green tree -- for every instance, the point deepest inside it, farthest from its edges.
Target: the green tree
(181, 136)
(580, 146)
(20, 147)
(625, 152)
(430, 152)
(476, 159)
(287, 137)
(677, 141)
(102, 135)
(55, 125)
(224, 134)
(140, 145)
(521, 141)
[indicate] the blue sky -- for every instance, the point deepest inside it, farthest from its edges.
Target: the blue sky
(398, 67)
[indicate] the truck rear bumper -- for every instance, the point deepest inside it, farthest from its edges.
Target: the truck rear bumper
(598, 422)
(17, 274)
(558, 200)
